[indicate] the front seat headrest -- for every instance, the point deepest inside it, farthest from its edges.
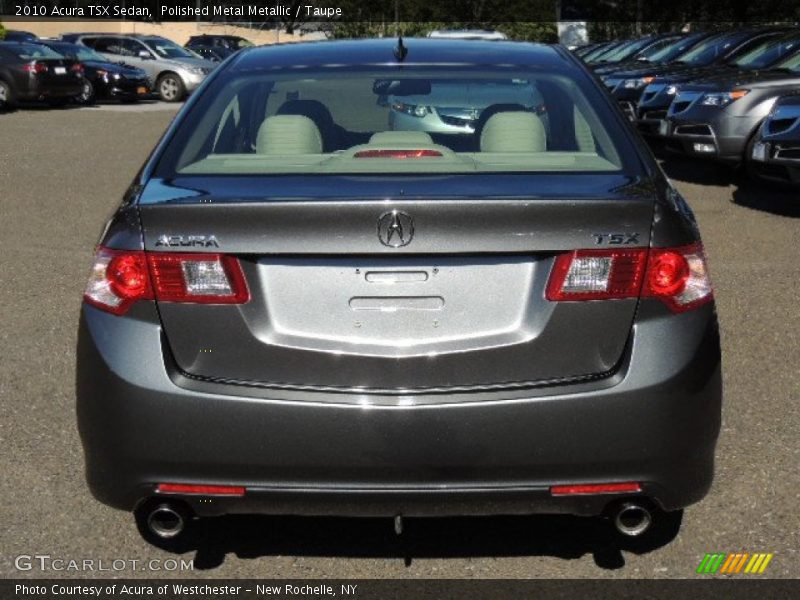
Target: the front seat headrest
(515, 131)
(288, 135)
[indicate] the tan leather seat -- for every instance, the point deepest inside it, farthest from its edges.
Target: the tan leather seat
(287, 135)
(514, 131)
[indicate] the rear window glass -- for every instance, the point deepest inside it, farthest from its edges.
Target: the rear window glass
(433, 121)
(32, 51)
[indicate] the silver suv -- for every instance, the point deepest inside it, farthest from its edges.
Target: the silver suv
(173, 70)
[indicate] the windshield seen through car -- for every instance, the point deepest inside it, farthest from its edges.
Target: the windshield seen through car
(167, 49)
(766, 54)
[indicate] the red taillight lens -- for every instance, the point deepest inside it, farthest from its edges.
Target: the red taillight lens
(118, 279)
(596, 488)
(597, 275)
(35, 67)
(201, 489)
(667, 273)
(127, 276)
(676, 276)
(398, 154)
(121, 277)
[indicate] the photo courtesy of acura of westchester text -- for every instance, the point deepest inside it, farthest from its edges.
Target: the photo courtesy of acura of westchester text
(399, 289)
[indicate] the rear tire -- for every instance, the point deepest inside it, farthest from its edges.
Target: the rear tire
(6, 97)
(170, 88)
(87, 97)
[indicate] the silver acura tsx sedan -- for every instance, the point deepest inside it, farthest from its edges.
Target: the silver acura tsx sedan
(300, 307)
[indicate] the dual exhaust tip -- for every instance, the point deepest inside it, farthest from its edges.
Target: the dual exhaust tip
(167, 520)
(632, 519)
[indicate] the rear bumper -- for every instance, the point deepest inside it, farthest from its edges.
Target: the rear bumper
(656, 422)
(121, 88)
(34, 90)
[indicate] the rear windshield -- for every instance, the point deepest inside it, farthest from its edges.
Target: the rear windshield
(31, 51)
(433, 121)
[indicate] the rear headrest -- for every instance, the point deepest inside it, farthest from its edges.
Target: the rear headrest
(288, 135)
(388, 138)
(515, 131)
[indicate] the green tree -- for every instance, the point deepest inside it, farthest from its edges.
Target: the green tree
(2, 31)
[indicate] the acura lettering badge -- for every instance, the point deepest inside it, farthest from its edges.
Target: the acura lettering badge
(395, 229)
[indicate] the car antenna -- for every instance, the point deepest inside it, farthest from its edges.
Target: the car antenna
(400, 51)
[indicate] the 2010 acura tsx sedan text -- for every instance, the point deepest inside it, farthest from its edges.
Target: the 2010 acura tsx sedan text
(300, 309)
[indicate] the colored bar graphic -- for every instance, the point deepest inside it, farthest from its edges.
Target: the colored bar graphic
(723, 563)
(727, 566)
(741, 562)
(711, 562)
(766, 562)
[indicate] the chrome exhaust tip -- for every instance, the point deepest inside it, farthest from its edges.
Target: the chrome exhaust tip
(165, 521)
(632, 519)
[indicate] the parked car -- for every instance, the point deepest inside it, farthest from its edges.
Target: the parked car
(103, 79)
(322, 355)
(14, 35)
(222, 45)
(34, 73)
(174, 71)
(647, 92)
(775, 155)
(719, 118)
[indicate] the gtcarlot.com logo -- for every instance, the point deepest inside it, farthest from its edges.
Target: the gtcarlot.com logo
(735, 563)
(46, 562)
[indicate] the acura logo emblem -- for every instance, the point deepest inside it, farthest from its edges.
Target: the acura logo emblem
(395, 229)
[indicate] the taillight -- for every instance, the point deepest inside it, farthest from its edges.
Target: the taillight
(118, 279)
(121, 277)
(676, 276)
(597, 275)
(77, 68)
(35, 67)
(198, 278)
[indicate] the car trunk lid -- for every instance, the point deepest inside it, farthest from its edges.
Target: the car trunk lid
(454, 301)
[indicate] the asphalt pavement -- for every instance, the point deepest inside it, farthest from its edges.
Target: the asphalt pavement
(62, 173)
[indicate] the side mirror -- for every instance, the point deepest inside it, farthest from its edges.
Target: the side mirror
(145, 55)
